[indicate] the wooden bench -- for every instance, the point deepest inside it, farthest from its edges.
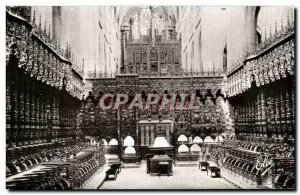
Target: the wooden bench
(215, 170)
(116, 166)
(203, 165)
(112, 172)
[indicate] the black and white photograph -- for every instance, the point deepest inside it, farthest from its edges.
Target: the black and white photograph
(150, 97)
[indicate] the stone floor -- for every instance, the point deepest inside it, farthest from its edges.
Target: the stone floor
(96, 180)
(183, 178)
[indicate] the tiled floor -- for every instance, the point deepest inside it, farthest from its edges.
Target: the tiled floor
(183, 178)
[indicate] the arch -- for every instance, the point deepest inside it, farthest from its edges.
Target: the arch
(100, 94)
(113, 142)
(220, 93)
(182, 138)
(166, 91)
(129, 150)
(208, 139)
(128, 141)
(183, 148)
(197, 140)
(195, 148)
(112, 92)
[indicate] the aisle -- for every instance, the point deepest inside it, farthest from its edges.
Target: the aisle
(184, 178)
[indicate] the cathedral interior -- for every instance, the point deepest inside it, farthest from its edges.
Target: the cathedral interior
(64, 64)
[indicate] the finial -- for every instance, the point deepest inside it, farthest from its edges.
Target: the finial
(270, 31)
(58, 46)
(45, 30)
(265, 34)
(288, 19)
(49, 33)
(33, 18)
(292, 14)
(67, 51)
(40, 25)
(82, 65)
(275, 27)
(281, 24)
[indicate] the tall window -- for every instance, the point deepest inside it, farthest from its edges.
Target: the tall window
(257, 28)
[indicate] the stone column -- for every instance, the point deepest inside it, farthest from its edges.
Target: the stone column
(158, 61)
(250, 27)
(151, 26)
(56, 22)
(139, 27)
(166, 26)
(148, 60)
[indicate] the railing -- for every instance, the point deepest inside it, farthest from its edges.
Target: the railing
(186, 74)
(159, 75)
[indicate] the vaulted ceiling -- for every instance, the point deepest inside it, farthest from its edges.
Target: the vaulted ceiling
(124, 12)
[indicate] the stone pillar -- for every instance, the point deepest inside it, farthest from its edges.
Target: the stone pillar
(151, 26)
(148, 61)
(105, 57)
(158, 61)
(57, 23)
(250, 27)
(139, 27)
(166, 26)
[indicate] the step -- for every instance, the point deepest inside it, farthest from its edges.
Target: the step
(130, 165)
(186, 164)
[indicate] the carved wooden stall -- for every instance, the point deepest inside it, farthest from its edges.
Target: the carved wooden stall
(261, 91)
(43, 92)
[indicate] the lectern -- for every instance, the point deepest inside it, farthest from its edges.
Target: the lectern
(161, 148)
